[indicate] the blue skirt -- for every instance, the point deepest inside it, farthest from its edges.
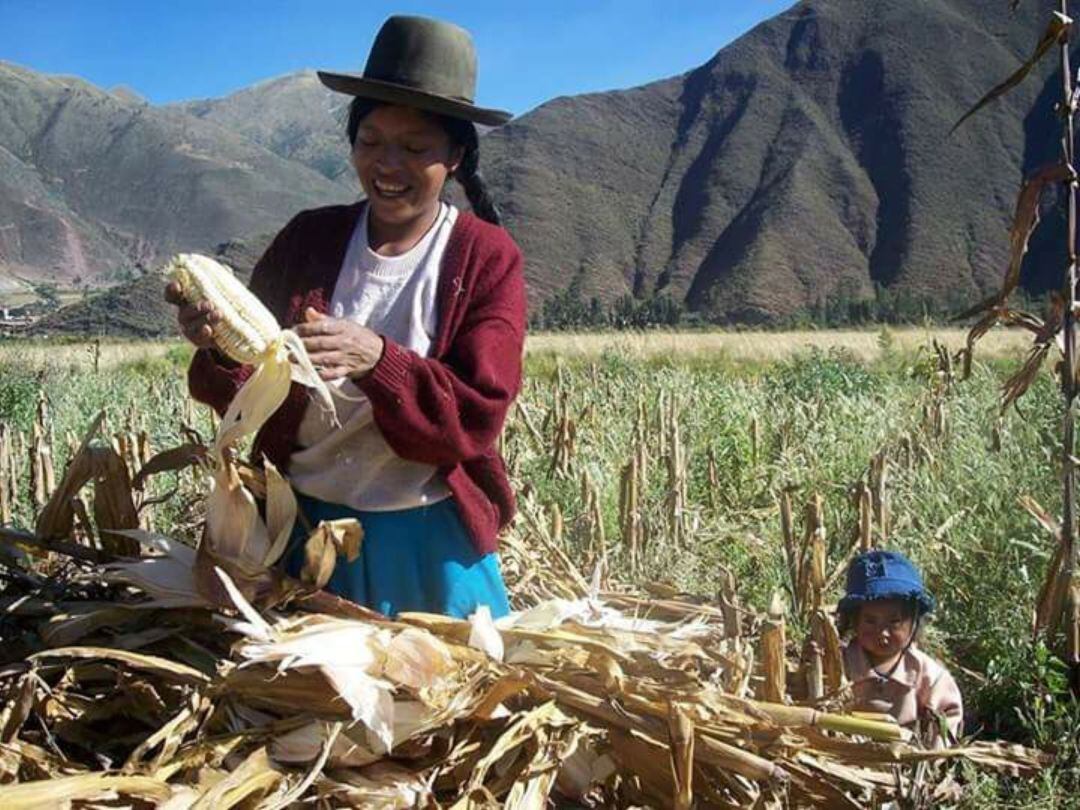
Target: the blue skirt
(417, 559)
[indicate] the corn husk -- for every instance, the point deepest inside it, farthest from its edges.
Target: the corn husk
(148, 686)
(381, 714)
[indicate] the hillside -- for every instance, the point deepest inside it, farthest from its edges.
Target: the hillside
(293, 116)
(808, 160)
(93, 184)
(137, 308)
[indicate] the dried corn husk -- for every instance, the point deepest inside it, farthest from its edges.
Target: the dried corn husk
(608, 698)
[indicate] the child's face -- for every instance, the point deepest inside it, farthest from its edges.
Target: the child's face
(884, 628)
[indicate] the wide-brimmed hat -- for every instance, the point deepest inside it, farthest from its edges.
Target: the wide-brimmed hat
(877, 575)
(423, 63)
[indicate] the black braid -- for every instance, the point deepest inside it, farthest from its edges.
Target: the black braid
(462, 134)
(468, 174)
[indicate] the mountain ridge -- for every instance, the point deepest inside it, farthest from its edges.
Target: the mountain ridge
(818, 121)
(91, 180)
(806, 160)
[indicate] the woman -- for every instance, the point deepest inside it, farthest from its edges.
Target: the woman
(417, 311)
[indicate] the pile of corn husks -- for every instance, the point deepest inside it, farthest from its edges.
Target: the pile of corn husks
(123, 687)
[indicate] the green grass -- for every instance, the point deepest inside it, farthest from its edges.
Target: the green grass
(820, 417)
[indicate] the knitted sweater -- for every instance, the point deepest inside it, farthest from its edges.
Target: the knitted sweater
(917, 685)
(446, 409)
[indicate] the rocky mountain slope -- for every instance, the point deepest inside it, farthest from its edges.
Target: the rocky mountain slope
(293, 116)
(808, 159)
(94, 184)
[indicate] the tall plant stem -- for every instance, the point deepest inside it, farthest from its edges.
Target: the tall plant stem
(1068, 523)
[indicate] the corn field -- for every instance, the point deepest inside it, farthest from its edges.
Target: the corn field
(727, 495)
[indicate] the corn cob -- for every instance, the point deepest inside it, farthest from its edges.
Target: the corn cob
(246, 328)
(248, 333)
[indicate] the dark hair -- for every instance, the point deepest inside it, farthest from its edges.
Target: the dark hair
(846, 619)
(462, 134)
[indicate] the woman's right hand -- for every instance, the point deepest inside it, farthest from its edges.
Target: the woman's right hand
(196, 322)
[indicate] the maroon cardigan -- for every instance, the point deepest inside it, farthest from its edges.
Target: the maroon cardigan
(447, 409)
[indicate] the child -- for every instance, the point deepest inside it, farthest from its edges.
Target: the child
(882, 609)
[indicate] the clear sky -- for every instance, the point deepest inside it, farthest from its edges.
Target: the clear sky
(529, 51)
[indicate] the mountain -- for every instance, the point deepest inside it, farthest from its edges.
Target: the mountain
(94, 183)
(137, 308)
(293, 116)
(809, 158)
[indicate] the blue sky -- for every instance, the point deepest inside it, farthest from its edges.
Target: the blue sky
(529, 51)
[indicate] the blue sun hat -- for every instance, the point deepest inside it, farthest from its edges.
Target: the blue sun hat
(884, 575)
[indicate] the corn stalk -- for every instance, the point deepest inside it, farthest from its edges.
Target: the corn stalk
(630, 510)
(594, 521)
(556, 524)
(7, 473)
(1068, 534)
(866, 517)
(773, 648)
(564, 443)
(879, 478)
(675, 459)
(1060, 321)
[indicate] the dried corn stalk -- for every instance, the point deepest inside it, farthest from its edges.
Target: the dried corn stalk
(594, 521)
(813, 672)
(677, 476)
(866, 517)
(1060, 321)
(773, 653)
(564, 443)
(113, 506)
(631, 518)
(7, 473)
(592, 702)
(879, 477)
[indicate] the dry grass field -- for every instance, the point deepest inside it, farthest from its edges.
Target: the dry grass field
(766, 347)
(671, 456)
(733, 346)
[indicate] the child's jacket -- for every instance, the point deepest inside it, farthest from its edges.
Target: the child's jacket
(918, 684)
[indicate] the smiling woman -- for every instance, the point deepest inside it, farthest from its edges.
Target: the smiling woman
(416, 311)
(403, 158)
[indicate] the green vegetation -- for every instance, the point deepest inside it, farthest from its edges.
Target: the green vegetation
(819, 418)
(809, 424)
(570, 310)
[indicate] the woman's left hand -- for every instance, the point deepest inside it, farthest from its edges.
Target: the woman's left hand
(337, 347)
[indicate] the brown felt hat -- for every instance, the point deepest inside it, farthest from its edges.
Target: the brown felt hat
(423, 63)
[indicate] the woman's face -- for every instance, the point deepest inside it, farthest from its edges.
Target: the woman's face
(884, 628)
(402, 158)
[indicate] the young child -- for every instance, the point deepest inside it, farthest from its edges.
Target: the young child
(881, 612)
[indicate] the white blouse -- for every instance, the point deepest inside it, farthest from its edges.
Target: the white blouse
(394, 296)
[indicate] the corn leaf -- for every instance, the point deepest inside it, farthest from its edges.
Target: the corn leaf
(1056, 30)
